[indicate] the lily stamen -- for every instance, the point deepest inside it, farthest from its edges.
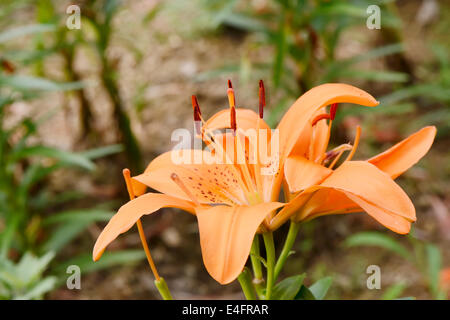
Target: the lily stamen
(336, 154)
(197, 115)
(355, 144)
(257, 166)
(208, 137)
(239, 151)
(175, 178)
(320, 117)
(231, 96)
(333, 110)
(233, 119)
(262, 99)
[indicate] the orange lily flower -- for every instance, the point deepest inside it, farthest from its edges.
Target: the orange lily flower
(317, 189)
(233, 201)
(313, 188)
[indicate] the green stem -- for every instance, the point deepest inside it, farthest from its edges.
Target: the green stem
(163, 289)
(256, 264)
(290, 239)
(270, 257)
(245, 279)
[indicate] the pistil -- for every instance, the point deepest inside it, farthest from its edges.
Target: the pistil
(127, 177)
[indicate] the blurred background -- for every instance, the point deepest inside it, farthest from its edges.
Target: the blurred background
(79, 105)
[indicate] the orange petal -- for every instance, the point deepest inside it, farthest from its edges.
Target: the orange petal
(406, 153)
(301, 173)
(325, 201)
(245, 119)
(130, 212)
(392, 221)
(209, 183)
(298, 115)
(320, 140)
(138, 188)
(226, 235)
(353, 187)
(301, 147)
(367, 182)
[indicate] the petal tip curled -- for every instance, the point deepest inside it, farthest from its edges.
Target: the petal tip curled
(130, 213)
(97, 254)
(406, 153)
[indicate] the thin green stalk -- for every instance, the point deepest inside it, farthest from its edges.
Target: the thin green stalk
(256, 265)
(270, 256)
(163, 289)
(289, 242)
(245, 279)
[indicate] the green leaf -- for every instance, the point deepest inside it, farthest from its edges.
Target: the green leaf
(30, 267)
(63, 235)
(151, 14)
(72, 224)
(379, 240)
(34, 173)
(25, 30)
(386, 110)
(337, 68)
(22, 82)
(102, 151)
(243, 22)
(374, 75)
(82, 215)
(278, 64)
(342, 9)
(66, 157)
(36, 292)
(109, 259)
(320, 288)
(305, 294)
(434, 266)
(376, 53)
(288, 288)
(394, 291)
(430, 90)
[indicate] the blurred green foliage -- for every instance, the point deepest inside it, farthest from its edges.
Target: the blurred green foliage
(33, 227)
(424, 255)
(24, 280)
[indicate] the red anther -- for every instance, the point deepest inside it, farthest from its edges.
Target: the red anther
(320, 117)
(196, 107)
(330, 154)
(230, 94)
(333, 110)
(262, 99)
(233, 118)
